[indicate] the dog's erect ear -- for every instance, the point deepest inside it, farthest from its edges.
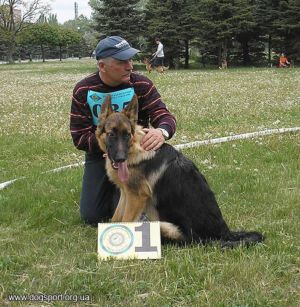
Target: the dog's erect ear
(106, 109)
(131, 111)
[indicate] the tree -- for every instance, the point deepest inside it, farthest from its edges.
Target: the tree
(287, 27)
(278, 24)
(292, 20)
(245, 31)
(169, 21)
(66, 37)
(48, 35)
(118, 17)
(84, 27)
(265, 13)
(15, 15)
(52, 19)
(39, 34)
(214, 28)
(226, 28)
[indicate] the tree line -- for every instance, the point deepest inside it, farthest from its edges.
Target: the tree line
(244, 32)
(29, 31)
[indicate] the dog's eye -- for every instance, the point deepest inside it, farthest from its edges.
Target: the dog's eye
(111, 134)
(127, 135)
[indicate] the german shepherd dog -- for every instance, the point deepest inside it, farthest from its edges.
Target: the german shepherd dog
(150, 66)
(164, 184)
(224, 64)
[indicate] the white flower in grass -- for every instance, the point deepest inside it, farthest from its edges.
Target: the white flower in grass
(276, 122)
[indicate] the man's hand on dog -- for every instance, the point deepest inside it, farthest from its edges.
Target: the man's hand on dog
(153, 139)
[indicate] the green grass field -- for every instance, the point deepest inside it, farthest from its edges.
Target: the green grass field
(45, 249)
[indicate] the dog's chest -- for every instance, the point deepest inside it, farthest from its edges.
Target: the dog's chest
(138, 174)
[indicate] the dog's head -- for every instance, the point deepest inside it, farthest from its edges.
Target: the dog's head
(115, 134)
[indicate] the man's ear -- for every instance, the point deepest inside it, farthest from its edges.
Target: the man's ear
(131, 111)
(101, 66)
(106, 110)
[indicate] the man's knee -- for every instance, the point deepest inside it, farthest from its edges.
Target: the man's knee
(93, 217)
(93, 211)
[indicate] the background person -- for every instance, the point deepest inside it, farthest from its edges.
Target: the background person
(99, 196)
(283, 61)
(159, 54)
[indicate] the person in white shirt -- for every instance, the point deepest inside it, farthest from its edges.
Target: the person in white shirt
(159, 54)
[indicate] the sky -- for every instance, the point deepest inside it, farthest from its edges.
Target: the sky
(64, 9)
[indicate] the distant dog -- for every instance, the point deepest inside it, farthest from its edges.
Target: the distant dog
(223, 65)
(150, 66)
(164, 184)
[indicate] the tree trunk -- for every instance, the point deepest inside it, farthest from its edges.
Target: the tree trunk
(10, 52)
(246, 56)
(269, 50)
(171, 62)
(219, 55)
(186, 54)
(60, 52)
(203, 60)
(43, 53)
(222, 54)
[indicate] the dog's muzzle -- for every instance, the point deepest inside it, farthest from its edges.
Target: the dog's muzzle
(120, 167)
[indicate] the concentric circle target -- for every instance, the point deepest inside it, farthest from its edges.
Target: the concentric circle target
(116, 239)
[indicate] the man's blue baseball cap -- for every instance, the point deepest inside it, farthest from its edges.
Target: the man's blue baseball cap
(115, 47)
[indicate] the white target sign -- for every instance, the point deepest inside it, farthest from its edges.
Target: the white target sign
(139, 240)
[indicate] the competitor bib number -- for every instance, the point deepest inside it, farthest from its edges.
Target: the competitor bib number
(129, 240)
(119, 100)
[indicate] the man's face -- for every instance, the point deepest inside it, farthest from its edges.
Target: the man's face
(115, 72)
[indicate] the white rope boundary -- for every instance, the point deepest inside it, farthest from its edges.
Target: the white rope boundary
(182, 146)
(243, 136)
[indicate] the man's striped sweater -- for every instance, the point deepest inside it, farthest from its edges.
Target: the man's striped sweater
(151, 109)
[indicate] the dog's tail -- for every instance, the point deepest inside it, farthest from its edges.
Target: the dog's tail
(235, 238)
(171, 231)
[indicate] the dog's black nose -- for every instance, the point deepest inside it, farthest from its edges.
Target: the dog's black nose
(120, 160)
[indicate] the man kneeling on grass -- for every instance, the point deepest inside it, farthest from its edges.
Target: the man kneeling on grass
(99, 196)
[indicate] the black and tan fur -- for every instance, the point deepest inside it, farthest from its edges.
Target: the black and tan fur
(224, 64)
(150, 66)
(164, 184)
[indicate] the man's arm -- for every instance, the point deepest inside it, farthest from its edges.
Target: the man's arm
(81, 123)
(153, 107)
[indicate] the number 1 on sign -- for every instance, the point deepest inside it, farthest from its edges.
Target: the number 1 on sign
(146, 244)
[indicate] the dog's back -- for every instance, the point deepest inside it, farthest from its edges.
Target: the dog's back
(183, 197)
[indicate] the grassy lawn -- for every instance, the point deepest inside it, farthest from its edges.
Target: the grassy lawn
(44, 247)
